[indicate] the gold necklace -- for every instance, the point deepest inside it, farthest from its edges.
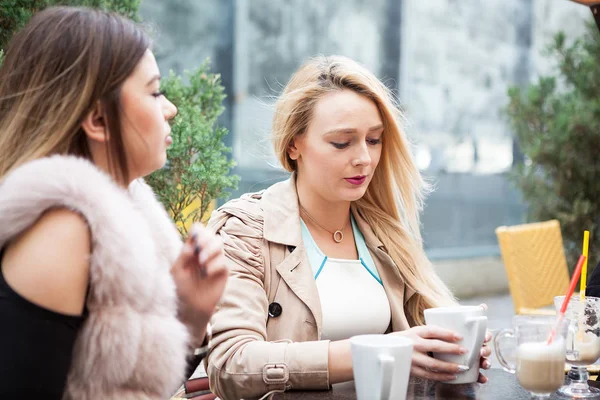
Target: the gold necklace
(338, 235)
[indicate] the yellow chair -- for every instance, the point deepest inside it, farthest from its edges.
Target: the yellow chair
(535, 264)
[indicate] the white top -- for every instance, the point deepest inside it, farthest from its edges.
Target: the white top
(353, 301)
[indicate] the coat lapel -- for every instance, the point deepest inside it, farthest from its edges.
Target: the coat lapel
(282, 225)
(296, 271)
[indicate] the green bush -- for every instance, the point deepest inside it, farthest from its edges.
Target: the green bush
(198, 169)
(557, 124)
(15, 13)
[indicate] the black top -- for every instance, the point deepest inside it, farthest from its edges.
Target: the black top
(596, 13)
(36, 346)
(593, 284)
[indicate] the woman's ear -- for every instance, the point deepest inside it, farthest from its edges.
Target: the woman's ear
(94, 124)
(293, 151)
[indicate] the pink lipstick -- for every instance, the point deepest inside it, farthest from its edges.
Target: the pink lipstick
(357, 180)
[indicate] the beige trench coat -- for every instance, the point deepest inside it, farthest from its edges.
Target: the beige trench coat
(254, 353)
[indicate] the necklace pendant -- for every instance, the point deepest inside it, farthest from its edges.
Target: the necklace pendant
(338, 236)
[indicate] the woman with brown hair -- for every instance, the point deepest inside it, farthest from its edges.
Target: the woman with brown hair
(333, 252)
(99, 298)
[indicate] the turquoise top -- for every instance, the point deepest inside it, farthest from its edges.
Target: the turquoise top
(318, 260)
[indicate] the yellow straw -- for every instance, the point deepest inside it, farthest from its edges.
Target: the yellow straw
(586, 245)
(582, 283)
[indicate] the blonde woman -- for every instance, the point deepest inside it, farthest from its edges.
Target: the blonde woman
(334, 251)
(99, 297)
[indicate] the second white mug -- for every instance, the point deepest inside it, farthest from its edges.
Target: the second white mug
(381, 365)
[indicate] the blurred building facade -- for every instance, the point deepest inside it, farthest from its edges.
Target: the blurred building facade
(450, 62)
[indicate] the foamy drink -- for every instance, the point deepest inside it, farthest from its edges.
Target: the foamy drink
(586, 348)
(541, 367)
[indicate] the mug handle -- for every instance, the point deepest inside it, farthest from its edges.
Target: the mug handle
(478, 337)
(504, 333)
(386, 364)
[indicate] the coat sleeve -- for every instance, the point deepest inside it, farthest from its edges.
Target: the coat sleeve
(242, 363)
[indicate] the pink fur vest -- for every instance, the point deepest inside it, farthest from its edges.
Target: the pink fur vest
(132, 346)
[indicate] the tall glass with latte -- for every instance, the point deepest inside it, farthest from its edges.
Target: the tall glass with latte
(583, 344)
(525, 351)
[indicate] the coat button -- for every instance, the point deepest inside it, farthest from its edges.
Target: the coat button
(275, 310)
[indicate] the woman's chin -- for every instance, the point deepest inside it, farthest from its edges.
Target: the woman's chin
(353, 194)
(159, 164)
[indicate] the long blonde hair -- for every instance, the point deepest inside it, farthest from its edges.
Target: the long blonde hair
(395, 196)
(56, 69)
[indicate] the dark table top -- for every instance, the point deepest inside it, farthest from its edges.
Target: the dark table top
(501, 386)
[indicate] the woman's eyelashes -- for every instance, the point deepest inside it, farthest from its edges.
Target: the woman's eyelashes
(340, 145)
(343, 145)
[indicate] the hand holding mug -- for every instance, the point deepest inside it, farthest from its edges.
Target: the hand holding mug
(429, 339)
(470, 323)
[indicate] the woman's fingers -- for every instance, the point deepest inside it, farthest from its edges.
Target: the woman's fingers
(488, 336)
(433, 332)
(206, 245)
(433, 339)
(200, 235)
(482, 378)
(485, 351)
(435, 365)
(209, 251)
(438, 346)
(424, 373)
(485, 363)
(188, 246)
(203, 251)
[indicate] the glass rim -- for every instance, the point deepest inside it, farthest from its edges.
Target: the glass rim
(577, 299)
(521, 322)
(537, 319)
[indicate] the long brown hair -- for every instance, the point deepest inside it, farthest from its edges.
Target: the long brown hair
(55, 71)
(395, 196)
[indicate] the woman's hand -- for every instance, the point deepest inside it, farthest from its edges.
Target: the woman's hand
(485, 352)
(433, 339)
(200, 275)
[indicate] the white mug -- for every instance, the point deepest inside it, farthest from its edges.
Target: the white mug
(381, 366)
(471, 323)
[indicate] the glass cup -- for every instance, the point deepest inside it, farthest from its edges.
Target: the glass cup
(539, 366)
(583, 344)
